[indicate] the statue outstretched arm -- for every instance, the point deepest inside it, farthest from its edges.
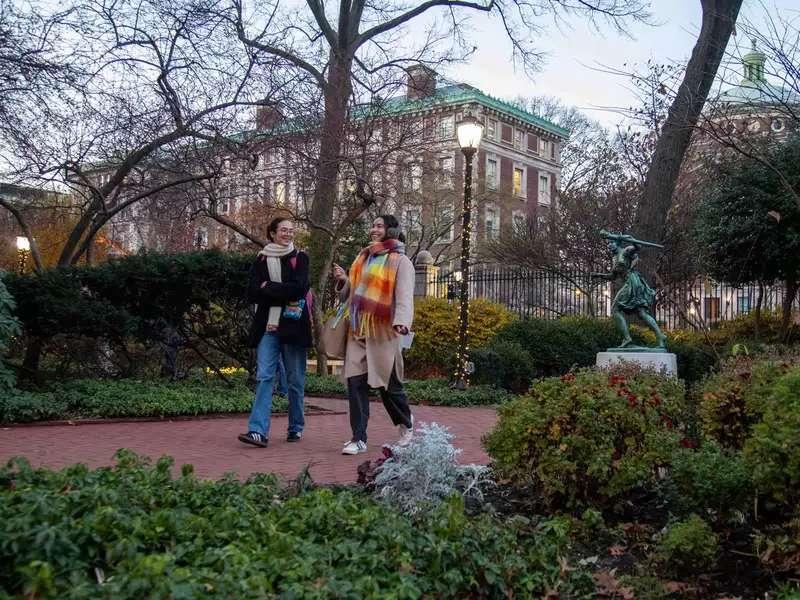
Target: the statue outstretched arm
(626, 237)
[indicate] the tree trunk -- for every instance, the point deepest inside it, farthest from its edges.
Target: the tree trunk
(786, 314)
(337, 97)
(719, 18)
(759, 303)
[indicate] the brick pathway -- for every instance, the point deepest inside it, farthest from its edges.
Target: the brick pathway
(211, 444)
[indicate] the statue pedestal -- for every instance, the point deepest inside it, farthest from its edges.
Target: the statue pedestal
(660, 361)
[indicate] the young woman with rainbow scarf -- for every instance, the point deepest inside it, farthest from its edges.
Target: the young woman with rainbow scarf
(379, 293)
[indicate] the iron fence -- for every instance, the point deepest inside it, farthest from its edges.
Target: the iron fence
(551, 293)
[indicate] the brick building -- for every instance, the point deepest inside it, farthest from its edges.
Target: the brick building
(406, 150)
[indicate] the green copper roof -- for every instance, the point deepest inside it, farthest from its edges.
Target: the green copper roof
(462, 93)
(754, 88)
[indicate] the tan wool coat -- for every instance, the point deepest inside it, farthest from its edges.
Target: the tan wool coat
(377, 357)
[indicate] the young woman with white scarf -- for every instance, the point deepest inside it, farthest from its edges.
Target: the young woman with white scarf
(281, 327)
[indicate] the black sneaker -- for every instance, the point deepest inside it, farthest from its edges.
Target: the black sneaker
(294, 436)
(254, 439)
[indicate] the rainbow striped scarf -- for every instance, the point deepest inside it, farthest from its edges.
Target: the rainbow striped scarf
(372, 279)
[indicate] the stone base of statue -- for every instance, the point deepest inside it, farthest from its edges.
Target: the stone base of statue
(657, 359)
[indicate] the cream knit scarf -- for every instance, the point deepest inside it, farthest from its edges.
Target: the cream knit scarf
(273, 253)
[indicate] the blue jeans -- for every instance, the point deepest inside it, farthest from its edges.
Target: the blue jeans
(294, 360)
(283, 384)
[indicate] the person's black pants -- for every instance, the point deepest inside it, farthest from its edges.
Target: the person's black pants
(394, 400)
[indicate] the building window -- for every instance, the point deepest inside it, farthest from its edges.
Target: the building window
(201, 238)
(491, 129)
(543, 147)
(446, 128)
(445, 173)
(412, 177)
(519, 221)
(517, 182)
(445, 220)
(711, 308)
(491, 173)
(743, 305)
(280, 193)
(544, 189)
(492, 229)
(412, 222)
(518, 137)
(553, 151)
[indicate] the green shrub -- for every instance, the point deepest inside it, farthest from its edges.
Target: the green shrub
(734, 400)
(435, 392)
(141, 298)
(688, 546)
(9, 327)
(590, 436)
(504, 364)
(773, 449)
(133, 531)
(438, 392)
(436, 332)
(557, 345)
(709, 478)
(106, 398)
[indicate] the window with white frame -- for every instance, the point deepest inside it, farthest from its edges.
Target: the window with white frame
(445, 172)
(518, 181)
(491, 173)
(280, 193)
(544, 147)
(412, 222)
(491, 129)
(492, 222)
(544, 189)
(446, 127)
(444, 221)
(519, 220)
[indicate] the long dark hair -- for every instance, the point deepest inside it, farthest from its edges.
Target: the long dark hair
(272, 228)
(393, 230)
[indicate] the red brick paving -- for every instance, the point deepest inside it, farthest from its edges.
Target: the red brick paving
(211, 444)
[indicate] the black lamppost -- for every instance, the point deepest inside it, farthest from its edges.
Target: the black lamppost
(469, 132)
(23, 249)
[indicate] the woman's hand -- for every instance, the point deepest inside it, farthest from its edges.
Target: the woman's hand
(400, 329)
(339, 273)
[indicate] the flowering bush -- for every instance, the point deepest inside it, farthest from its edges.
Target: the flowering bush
(587, 437)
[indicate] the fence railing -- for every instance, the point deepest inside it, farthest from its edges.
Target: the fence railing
(554, 293)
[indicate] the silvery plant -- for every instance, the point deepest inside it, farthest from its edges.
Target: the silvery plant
(420, 475)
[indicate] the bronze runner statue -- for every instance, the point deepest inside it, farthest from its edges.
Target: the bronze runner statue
(635, 296)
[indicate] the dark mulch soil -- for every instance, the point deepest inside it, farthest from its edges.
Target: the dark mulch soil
(622, 547)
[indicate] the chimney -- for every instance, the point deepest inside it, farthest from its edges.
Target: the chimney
(267, 116)
(421, 82)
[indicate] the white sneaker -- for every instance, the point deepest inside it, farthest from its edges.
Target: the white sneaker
(353, 448)
(406, 433)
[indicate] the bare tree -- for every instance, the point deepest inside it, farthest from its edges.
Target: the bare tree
(155, 85)
(352, 49)
(719, 18)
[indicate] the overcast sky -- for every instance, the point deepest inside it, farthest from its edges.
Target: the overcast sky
(577, 52)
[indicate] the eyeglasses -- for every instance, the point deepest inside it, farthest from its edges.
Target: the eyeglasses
(285, 230)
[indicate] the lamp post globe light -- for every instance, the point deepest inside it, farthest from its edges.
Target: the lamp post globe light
(469, 132)
(23, 248)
